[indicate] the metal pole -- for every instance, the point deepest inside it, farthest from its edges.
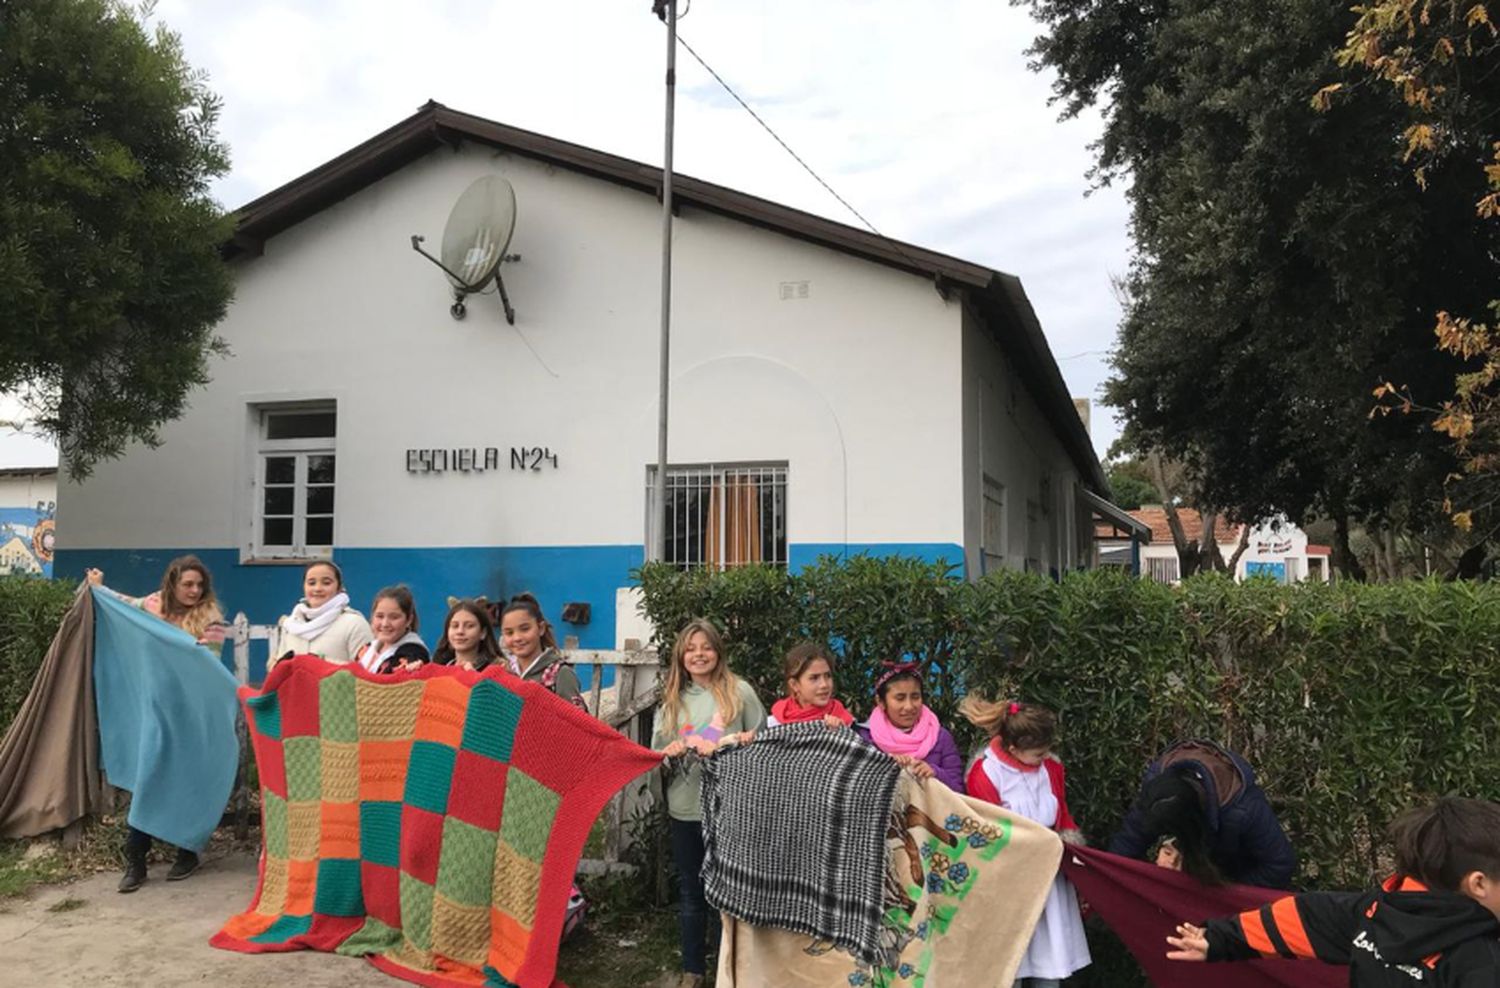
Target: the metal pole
(659, 488)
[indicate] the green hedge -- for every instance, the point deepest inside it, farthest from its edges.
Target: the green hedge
(30, 611)
(1351, 701)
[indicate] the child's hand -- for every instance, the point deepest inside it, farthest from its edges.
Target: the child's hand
(701, 745)
(746, 737)
(829, 720)
(1191, 943)
(915, 766)
(1074, 837)
(675, 750)
(94, 576)
(467, 665)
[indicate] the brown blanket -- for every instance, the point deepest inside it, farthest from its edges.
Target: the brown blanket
(974, 879)
(49, 758)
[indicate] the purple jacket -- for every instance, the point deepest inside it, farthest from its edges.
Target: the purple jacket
(947, 764)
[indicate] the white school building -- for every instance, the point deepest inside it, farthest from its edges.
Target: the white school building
(831, 392)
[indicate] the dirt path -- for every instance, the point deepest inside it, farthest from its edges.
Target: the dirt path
(157, 936)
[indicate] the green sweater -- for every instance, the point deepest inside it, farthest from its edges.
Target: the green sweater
(700, 716)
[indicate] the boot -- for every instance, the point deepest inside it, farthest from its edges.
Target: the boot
(135, 874)
(185, 865)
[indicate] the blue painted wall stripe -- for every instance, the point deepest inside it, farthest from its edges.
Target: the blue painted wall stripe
(555, 574)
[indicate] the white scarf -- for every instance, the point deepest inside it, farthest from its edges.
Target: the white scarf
(308, 623)
(373, 655)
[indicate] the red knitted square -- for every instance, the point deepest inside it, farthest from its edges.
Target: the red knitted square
(537, 753)
(421, 843)
(270, 759)
(477, 795)
(381, 886)
(299, 719)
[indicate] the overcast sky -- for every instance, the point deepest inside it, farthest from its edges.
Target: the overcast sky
(922, 114)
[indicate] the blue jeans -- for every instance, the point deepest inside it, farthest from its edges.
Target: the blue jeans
(697, 922)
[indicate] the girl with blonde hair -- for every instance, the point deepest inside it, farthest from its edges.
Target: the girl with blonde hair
(703, 705)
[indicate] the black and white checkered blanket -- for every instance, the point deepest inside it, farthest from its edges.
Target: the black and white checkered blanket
(794, 830)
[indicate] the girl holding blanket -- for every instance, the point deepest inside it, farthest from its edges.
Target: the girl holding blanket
(1016, 771)
(905, 728)
(808, 669)
(322, 623)
(532, 647)
(396, 646)
(703, 704)
(186, 600)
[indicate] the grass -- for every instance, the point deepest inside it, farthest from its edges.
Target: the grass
(98, 850)
(623, 943)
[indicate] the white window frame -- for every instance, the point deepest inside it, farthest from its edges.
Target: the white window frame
(1162, 569)
(704, 476)
(992, 551)
(301, 450)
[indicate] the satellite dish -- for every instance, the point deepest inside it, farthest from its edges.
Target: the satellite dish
(475, 237)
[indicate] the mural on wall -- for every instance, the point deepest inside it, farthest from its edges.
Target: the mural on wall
(1276, 571)
(27, 539)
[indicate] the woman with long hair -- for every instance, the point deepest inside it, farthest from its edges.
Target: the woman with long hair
(185, 600)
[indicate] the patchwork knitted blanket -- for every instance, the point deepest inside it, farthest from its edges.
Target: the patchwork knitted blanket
(794, 828)
(972, 880)
(430, 821)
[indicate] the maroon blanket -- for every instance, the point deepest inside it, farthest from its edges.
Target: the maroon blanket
(1143, 904)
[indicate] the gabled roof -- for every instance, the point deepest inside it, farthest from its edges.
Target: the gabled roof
(1155, 516)
(997, 296)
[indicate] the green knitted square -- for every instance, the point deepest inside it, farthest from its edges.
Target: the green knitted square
(338, 892)
(372, 938)
(266, 710)
(466, 863)
(273, 814)
(380, 833)
(338, 719)
(526, 820)
(304, 769)
(284, 929)
(429, 773)
(416, 911)
(490, 722)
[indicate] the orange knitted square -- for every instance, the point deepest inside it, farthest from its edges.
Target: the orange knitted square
(246, 925)
(301, 887)
(340, 834)
(440, 717)
(508, 943)
(382, 770)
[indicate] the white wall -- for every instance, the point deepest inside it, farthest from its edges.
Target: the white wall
(857, 386)
(28, 490)
(1007, 437)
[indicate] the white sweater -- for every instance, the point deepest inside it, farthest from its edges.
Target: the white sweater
(339, 642)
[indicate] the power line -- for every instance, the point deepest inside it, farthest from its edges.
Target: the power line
(777, 137)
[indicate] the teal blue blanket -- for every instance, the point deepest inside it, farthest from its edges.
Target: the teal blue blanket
(166, 722)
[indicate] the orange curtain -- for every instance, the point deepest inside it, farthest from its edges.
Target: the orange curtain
(732, 535)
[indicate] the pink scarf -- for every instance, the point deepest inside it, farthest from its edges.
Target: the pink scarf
(916, 742)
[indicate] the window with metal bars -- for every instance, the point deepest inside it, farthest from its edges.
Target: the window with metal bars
(295, 474)
(721, 516)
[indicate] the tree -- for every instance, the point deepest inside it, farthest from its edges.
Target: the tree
(1129, 484)
(1283, 256)
(110, 274)
(1442, 58)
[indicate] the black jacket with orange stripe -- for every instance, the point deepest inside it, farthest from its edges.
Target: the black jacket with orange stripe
(1399, 936)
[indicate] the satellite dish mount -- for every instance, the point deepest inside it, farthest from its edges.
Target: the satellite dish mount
(475, 237)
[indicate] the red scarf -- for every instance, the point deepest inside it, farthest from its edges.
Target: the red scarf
(788, 711)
